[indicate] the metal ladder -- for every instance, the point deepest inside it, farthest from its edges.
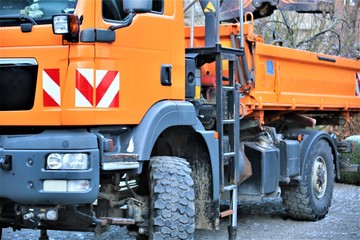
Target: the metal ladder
(228, 120)
(227, 105)
(228, 129)
(227, 125)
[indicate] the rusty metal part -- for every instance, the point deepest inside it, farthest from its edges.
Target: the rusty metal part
(304, 120)
(260, 8)
(116, 221)
(226, 213)
(264, 8)
(247, 168)
(308, 6)
(353, 168)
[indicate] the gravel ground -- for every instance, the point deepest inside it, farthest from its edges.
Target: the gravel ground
(263, 220)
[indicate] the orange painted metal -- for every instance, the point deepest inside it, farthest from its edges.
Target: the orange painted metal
(300, 80)
(137, 55)
(295, 80)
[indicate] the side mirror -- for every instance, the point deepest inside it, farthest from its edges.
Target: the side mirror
(133, 7)
(137, 6)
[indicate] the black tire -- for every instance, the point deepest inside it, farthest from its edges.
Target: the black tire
(311, 198)
(172, 204)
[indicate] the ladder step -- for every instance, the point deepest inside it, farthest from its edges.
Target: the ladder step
(228, 88)
(229, 154)
(230, 187)
(226, 213)
(228, 121)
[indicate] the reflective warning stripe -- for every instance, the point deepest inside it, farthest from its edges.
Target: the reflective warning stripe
(51, 87)
(107, 88)
(84, 87)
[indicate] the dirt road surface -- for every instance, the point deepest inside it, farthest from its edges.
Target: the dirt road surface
(263, 220)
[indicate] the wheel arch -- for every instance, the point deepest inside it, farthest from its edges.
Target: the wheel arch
(310, 137)
(310, 198)
(171, 128)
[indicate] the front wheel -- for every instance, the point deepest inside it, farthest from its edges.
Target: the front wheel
(172, 207)
(311, 198)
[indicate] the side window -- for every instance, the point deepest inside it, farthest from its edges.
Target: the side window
(113, 9)
(158, 6)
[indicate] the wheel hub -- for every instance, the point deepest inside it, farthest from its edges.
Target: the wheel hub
(319, 178)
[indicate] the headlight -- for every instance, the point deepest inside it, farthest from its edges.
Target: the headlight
(54, 161)
(67, 161)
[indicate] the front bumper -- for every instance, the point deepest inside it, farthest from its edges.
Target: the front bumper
(23, 182)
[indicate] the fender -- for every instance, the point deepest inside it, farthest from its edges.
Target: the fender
(141, 139)
(309, 138)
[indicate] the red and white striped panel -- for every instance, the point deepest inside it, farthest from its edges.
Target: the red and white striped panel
(51, 87)
(84, 89)
(107, 88)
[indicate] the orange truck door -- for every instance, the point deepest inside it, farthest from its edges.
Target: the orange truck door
(127, 74)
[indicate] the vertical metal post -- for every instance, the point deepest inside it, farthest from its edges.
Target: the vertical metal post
(192, 26)
(43, 235)
(220, 117)
(241, 18)
(218, 21)
(210, 12)
(232, 227)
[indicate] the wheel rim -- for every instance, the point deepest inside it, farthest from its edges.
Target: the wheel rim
(319, 177)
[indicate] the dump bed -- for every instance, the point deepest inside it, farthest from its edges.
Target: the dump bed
(289, 80)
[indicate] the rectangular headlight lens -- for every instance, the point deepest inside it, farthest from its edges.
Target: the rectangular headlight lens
(61, 24)
(67, 161)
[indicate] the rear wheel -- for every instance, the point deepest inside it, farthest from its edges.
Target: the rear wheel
(172, 207)
(311, 198)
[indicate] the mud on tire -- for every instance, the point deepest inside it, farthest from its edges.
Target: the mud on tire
(172, 199)
(311, 198)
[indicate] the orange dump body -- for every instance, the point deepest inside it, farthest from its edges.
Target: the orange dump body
(287, 79)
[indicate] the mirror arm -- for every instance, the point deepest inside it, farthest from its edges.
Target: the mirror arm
(125, 24)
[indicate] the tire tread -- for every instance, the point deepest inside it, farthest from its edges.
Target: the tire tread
(297, 198)
(173, 199)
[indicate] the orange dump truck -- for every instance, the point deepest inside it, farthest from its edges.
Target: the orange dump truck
(112, 114)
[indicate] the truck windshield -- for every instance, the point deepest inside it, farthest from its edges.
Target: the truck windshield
(15, 12)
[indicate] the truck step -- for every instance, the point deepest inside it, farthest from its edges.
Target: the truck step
(229, 121)
(229, 154)
(226, 213)
(230, 187)
(228, 88)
